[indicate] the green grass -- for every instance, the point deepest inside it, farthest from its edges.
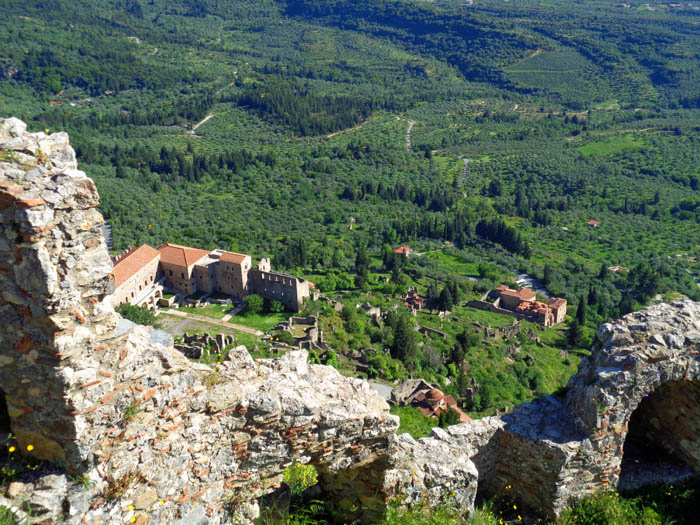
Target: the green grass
(262, 322)
(217, 311)
(7, 517)
(653, 506)
(413, 421)
(460, 266)
(612, 145)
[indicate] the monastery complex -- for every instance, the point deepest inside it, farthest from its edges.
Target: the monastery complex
(144, 274)
(523, 302)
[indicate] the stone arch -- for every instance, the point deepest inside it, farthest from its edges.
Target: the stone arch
(663, 435)
(646, 358)
(5, 422)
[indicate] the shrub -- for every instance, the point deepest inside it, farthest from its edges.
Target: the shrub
(285, 337)
(332, 359)
(273, 306)
(253, 304)
(137, 314)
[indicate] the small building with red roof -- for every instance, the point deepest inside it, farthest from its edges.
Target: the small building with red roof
(512, 298)
(431, 401)
(403, 250)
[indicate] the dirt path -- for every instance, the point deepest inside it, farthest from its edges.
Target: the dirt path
(411, 123)
(211, 320)
(194, 128)
(464, 171)
(226, 86)
(355, 128)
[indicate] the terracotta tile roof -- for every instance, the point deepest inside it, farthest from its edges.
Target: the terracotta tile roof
(524, 294)
(231, 257)
(180, 255)
(132, 263)
(556, 302)
(535, 307)
(435, 395)
(427, 412)
(403, 250)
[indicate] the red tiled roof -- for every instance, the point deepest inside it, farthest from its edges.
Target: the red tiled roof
(592, 223)
(435, 395)
(463, 418)
(427, 412)
(231, 257)
(180, 255)
(556, 302)
(403, 250)
(132, 263)
(524, 294)
(534, 307)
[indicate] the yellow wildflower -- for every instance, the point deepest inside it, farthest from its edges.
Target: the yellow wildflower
(30, 448)
(12, 449)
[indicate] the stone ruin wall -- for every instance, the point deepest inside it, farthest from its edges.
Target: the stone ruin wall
(564, 447)
(163, 439)
(288, 289)
(160, 438)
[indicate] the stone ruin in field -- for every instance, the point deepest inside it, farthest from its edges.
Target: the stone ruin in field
(164, 440)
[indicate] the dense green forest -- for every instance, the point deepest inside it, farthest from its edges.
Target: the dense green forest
(486, 136)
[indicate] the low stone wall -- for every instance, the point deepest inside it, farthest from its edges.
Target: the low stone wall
(488, 307)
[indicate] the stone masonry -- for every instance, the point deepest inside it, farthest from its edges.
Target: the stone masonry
(563, 447)
(164, 440)
(159, 438)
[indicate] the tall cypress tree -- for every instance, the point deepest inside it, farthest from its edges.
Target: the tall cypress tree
(581, 310)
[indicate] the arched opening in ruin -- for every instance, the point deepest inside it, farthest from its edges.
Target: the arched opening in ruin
(4, 415)
(662, 444)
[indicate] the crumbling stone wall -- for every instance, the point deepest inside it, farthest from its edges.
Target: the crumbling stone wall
(159, 438)
(291, 291)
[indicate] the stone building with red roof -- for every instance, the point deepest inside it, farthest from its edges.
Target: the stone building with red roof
(523, 303)
(431, 401)
(177, 263)
(404, 250)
